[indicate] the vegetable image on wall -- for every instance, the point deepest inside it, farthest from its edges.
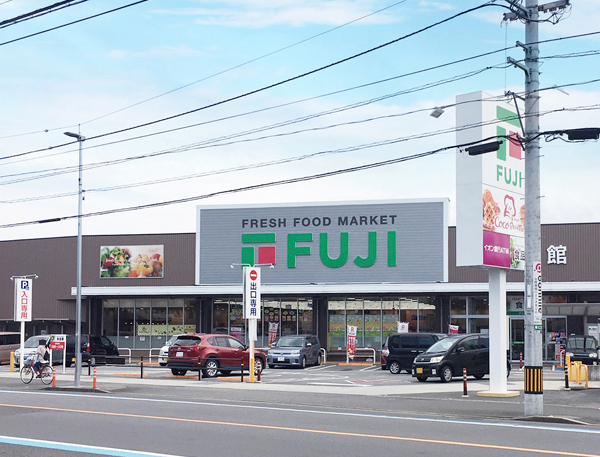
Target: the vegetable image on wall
(351, 342)
(132, 261)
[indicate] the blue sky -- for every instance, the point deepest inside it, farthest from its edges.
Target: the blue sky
(162, 58)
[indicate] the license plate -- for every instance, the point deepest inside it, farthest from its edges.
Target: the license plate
(179, 354)
(281, 359)
(419, 370)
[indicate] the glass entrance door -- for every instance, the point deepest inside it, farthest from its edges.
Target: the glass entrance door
(553, 335)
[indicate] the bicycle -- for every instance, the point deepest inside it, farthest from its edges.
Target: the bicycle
(45, 374)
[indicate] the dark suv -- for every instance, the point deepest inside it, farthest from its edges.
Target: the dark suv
(95, 349)
(400, 349)
(213, 352)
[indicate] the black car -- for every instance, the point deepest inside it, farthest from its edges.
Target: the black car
(449, 356)
(400, 349)
(582, 348)
(95, 349)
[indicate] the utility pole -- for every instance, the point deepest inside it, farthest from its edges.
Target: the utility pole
(534, 392)
(534, 386)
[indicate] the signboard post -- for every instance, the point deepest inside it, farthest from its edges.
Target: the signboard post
(59, 343)
(23, 306)
(252, 309)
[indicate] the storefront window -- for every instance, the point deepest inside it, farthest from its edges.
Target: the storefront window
(355, 317)
(461, 322)
(409, 313)
(142, 323)
(270, 317)
(175, 323)
(236, 320)
(305, 317)
(479, 325)
(289, 317)
(458, 306)
(126, 319)
(159, 322)
(110, 319)
(372, 324)
(189, 318)
(336, 336)
(478, 305)
(426, 317)
(220, 321)
(389, 316)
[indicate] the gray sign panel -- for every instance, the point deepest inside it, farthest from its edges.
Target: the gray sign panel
(371, 242)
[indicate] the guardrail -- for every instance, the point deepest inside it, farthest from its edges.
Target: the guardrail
(125, 349)
(324, 352)
(150, 353)
(356, 354)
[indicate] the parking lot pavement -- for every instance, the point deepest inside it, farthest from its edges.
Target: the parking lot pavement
(331, 378)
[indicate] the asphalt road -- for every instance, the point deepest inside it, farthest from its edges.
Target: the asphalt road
(291, 412)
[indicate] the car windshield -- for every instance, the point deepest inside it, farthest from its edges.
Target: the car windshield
(442, 345)
(290, 342)
(584, 342)
(33, 341)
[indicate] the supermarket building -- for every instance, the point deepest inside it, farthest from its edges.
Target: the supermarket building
(324, 266)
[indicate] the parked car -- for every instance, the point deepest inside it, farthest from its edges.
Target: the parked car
(164, 351)
(214, 353)
(295, 350)
(582, 348)
(31, 345)
(94, 349)
(9, 342)
(400, 349)
(449, 356)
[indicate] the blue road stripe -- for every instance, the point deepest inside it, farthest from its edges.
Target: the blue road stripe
(78, 447)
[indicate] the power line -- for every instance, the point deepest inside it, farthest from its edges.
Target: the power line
(246, 63)
(253, 187)
(40, 12)
(74, 22)
(279, 83)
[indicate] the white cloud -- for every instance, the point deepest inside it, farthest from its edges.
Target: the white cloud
(162, 51)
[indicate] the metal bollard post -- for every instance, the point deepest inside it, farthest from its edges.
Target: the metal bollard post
(53, 376)
(94, 382)
(89, 367)
(242, 370)
(567, 371)
(465, 394)
(199, 369)
(258, 375)
(520, 360)
(142, 366)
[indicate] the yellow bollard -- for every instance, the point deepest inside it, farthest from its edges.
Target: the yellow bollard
(12, 361)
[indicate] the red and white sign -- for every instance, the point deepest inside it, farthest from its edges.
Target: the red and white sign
(453, 330)
(351, 347)
(273, 326)
(251, 293)
(402, 327)
(23, 293)
(58, 342)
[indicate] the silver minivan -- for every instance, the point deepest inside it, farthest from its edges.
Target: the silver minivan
(9, 342)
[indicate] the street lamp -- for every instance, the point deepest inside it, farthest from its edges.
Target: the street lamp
(80, 139)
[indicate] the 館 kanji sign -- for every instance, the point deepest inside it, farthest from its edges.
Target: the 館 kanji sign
(23, 293)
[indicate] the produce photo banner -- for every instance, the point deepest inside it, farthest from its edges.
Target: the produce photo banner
(132, 261)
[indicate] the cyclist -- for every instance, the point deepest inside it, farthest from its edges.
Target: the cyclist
(40, 354)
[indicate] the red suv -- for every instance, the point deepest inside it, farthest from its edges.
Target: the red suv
(213, 352)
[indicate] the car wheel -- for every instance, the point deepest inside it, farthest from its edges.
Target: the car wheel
(303, 363)
(271, 365)
(177, 372)
(211, 367)
(319, 359)
(478, 376)
(446, 374)
(394, 367)
(259, 365)
(225, 372)
(421, 378)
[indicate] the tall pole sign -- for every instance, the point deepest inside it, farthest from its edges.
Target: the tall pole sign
(23, 294)
(252, 308)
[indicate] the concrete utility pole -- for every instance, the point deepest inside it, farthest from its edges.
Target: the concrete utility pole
(534, 392)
